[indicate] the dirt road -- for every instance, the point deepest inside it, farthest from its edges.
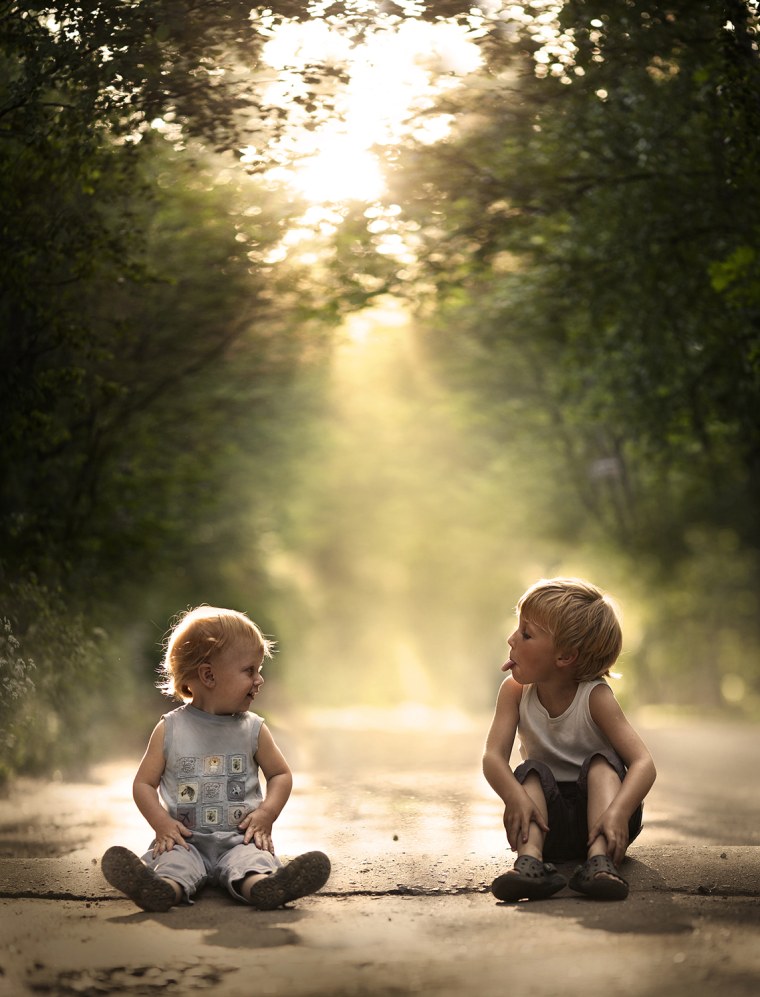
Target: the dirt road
(414, 835)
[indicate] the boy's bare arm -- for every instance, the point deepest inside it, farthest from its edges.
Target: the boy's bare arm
(168, 831)
(500, 740)
(640, 775)
(257, 825)
(520, 811)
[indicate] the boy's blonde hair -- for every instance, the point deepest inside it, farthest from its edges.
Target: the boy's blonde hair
(200, 635)
(579, 617)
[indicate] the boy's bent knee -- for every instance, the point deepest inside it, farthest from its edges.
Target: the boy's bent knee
(532, 769)
(532, 783)
(597, 762)
(599, 766)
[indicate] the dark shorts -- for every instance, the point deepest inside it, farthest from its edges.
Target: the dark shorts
(567, 804)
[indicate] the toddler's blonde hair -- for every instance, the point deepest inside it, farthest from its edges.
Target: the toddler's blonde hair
(199, 635)
(579, 617)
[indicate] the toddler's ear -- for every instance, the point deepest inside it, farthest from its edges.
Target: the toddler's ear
(206, 674)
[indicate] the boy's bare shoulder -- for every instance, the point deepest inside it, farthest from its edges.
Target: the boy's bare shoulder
(603, 703)
(510, 691)
(602, 688)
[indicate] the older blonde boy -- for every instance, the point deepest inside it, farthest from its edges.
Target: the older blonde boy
(585, 771)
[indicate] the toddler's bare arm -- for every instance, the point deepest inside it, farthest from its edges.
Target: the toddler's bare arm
(169, 832)
(257, 825)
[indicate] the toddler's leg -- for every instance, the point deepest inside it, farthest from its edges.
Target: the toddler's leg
(129, 874)
(301, 877)
(261, 880)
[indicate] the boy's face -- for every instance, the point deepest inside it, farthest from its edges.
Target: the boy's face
(237, 677)
(533, 654)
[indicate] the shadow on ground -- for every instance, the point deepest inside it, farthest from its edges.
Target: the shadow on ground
(224, 923)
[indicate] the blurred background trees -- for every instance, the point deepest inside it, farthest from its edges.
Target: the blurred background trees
(142, 337)
(590, 231)
(536, 352)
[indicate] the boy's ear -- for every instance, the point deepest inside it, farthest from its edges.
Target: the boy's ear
(206, 674)
(567, 658)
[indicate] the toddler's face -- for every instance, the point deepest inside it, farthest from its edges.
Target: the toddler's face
(237, 677)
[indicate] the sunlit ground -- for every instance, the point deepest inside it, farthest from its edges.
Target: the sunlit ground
(399, 780)
(402, 786)
(367, 782)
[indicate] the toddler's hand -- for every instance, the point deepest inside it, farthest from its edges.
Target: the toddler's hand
(257, 827)
(169, 834)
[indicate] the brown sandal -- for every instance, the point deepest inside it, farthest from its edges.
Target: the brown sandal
(592, 879)
(529, 879)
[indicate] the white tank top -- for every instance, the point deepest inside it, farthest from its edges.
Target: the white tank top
(564, 742)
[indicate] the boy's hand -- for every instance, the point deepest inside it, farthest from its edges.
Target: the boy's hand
(614, 829)
(518, 816)
(169, 833)
(257, 827)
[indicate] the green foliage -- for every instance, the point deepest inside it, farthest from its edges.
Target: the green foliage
(121, 65)
(146, 346)
(54, 678)
(16, 685)
(593, 235)
(116, 406)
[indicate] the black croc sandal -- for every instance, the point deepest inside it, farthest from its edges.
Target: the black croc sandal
(529, 879)
(304, 875)
(587, 880)
(129, 874)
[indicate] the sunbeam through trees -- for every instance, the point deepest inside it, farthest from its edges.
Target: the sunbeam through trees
(359, 317)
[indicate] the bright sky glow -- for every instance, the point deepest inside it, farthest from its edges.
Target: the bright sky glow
(394, 77)
(340, 171)
(388, 89)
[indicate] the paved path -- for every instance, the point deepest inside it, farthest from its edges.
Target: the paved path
(414, 835)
